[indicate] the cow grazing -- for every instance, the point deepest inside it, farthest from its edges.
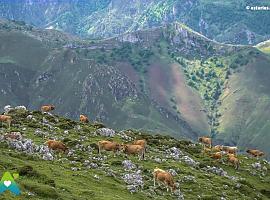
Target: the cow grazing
(84, 119)
(217, 155)
(108, 146)
(232, 159)
(255, 153)
(165, 178)
(7, 119)
(134, 149)
(230, 150)
(143, 143)
(205, 141)
(56, 145)
(47, 108)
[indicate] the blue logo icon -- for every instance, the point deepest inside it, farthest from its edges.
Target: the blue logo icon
(7, 183)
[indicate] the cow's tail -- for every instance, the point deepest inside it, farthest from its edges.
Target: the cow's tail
(143, 153)
(99, 147)
(237, 164)
(145, 147)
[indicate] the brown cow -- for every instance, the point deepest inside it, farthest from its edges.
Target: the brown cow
(84, 119)
(232, 159)
(47, 108)
(230, 150)
(108, 146)
(205, 141)
(255, 153)
(164, 177)
(217, 155)
(134, 149)
(56, 145)
(143, 143)
(7, 119)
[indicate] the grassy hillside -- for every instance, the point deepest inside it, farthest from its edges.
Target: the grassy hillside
(264, 46)
(225, 21)
(83, 174)
(245, 104)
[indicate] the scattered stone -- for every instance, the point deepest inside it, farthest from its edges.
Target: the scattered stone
(216, 170)
(45, 151)
(8, 108)
(238, 185)
(47, 156)
(174, 153)
(97, 177)
(124, 136)
(44, 120)
(111, 173)
(179, 195)
(21, 108)
(74, 168)
(172, 172)
(257, 166)
(92, 165)
(29, 117)
(158, 160)
(77, 128)
(25, 145)
(189, 178)
(134, 181)
(40, 133)
(189, 161)
(128, 165)
(106, 132)
(30, 194)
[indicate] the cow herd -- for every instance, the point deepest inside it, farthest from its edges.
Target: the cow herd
(219, 151)
(138, 147)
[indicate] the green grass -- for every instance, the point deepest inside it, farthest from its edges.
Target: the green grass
(41, 179)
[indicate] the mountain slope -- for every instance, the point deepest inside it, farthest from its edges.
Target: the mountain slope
(264, 46)
(84, 174)
(49, 72)
(227, 21)
(169, 79)
(245, 120)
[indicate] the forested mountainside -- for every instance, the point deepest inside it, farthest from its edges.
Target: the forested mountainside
(224, 21)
